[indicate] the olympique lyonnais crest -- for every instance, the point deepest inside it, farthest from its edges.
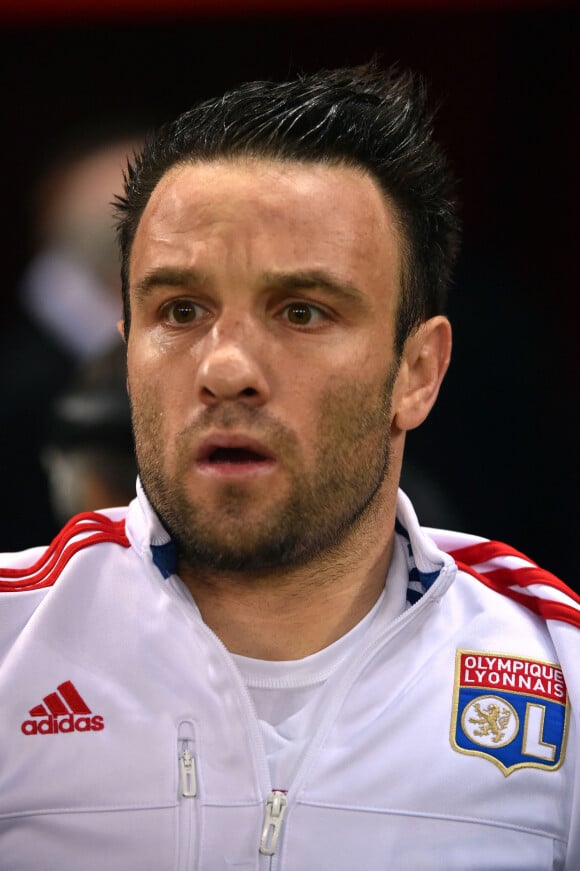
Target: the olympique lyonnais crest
(510, 710)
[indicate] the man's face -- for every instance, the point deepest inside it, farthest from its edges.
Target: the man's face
(261, 358)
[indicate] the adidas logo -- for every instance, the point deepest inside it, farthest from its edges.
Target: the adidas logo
(61, 712)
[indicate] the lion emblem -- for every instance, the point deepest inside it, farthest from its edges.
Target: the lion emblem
(491, 720)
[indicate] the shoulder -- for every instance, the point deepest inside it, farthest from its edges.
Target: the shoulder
(485, 565)
(41, 567)
(37, 583)
(514, 601)
(513, 575)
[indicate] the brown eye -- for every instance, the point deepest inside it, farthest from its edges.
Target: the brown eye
(183, 312)
(303, 314)
(300, 314)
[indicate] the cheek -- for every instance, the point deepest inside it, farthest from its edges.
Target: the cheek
(346, 391)
(161, 406)
(149, 401)
(350, 411)
(146, 414)
(152, 377)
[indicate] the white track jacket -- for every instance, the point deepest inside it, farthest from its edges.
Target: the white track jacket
(448, 742)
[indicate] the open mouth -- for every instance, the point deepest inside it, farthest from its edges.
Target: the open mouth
(235, 455)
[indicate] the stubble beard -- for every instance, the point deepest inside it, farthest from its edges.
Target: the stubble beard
(322, 503)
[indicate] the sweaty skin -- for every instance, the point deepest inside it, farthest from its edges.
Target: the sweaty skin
(269, 407)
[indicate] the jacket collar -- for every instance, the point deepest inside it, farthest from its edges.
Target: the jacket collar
(425, 560)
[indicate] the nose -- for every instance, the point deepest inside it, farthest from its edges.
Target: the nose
(230, 371)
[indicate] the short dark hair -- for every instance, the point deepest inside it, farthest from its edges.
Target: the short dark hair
(363, 117)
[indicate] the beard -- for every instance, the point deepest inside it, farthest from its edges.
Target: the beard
(323, 502)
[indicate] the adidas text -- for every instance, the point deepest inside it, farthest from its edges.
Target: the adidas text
(70, 723)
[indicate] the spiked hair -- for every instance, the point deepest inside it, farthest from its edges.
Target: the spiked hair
(367, 118)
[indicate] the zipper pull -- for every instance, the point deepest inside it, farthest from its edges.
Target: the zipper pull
(276, 805)
(188, 778)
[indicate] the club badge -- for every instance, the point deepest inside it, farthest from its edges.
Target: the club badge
(510, 710)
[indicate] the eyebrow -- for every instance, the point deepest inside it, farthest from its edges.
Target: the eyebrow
(195, 279)
(313, 278)
(169, 276)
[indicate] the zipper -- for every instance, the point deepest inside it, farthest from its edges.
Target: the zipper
(188, 777)
(276, 805)
(276, 802)
(187, 790)
(275, 810)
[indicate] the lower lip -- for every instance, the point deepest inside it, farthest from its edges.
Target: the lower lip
(236, 471)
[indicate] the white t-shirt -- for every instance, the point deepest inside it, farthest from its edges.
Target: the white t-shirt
(284, 693)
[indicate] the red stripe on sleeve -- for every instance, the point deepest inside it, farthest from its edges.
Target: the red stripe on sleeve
(82, 523)
(47, 569)
(545, 608)
(484, 551)
(526, 577)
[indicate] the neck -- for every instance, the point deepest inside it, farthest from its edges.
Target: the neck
(291, 613)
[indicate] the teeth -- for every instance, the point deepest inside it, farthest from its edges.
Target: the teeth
(235, 455)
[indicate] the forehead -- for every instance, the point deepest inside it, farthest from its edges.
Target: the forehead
(307, 213)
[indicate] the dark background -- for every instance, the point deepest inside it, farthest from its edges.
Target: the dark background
(502, 442)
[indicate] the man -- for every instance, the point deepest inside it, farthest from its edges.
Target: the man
(265, 662)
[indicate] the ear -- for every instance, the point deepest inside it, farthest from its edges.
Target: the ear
(121, 329)
(424, 362)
